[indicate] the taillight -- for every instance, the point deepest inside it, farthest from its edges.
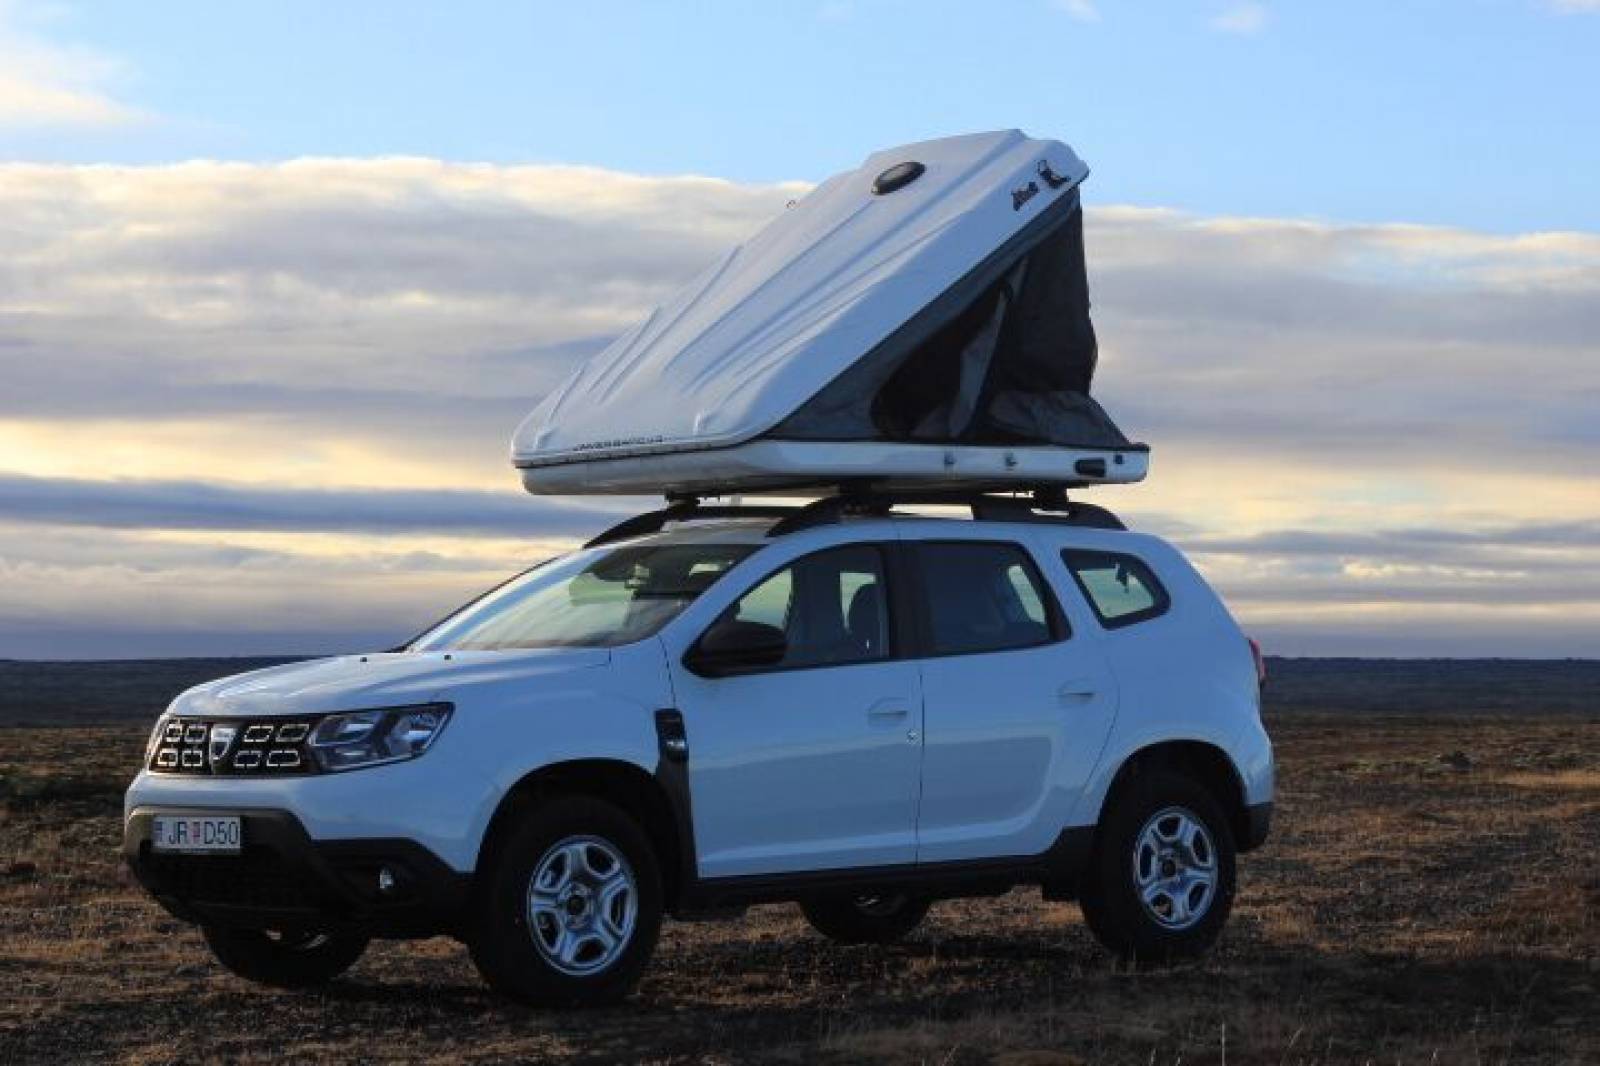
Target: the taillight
(1261, 662)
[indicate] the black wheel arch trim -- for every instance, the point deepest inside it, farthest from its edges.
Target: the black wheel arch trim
(1214, 768)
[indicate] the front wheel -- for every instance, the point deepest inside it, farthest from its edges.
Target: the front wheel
(880, 919)
(1161, 879)
(569, 907)
(284, 960)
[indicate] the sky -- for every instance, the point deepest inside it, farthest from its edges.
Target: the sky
(278, 281)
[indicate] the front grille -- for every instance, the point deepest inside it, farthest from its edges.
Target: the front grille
(232, 747)
(255, 878)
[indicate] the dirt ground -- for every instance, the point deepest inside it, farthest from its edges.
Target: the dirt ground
(1431, 895)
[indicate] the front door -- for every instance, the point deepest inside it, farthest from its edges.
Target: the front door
(812, 763)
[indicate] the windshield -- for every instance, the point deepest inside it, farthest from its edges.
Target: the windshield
(590, 599)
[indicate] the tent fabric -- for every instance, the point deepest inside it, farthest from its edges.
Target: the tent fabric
(953, 308)
(1009, 359)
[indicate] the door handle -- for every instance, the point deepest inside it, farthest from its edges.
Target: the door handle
(885, 710)
(1078, 690)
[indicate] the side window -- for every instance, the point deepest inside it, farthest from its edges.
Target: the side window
(1121, 588)
(769, 602)
(833, 607)
(985, 597)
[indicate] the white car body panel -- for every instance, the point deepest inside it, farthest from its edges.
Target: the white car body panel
(788, 771)
(804, 769)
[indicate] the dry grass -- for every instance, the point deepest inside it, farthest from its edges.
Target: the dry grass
(1431, 895)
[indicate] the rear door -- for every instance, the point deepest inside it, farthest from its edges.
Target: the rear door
(1017, 707)
(811, 764)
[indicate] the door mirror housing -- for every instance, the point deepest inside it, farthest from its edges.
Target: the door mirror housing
(733, 645)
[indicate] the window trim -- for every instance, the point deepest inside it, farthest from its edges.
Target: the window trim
(892, 603)
(1056, 618)
(1158, 588)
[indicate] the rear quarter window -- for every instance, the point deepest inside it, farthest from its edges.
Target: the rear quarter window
(1121, 588)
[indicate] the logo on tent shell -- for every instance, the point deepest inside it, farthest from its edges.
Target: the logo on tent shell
(1051, 178)
(618, 442)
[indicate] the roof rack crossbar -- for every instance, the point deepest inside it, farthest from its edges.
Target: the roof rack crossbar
(1047, 504)
(682, 509)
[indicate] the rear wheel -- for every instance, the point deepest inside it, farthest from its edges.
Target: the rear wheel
(866, 919)
(1161, 880)
(569, 907)
(284, 960)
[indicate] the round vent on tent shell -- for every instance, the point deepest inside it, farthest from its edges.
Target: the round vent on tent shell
(897, 177)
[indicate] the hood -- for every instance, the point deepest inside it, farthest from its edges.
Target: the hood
(359, 682)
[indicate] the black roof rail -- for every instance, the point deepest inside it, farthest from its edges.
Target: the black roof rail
(1044, 505)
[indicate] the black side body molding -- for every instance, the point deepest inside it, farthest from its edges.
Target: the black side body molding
(1057, 871)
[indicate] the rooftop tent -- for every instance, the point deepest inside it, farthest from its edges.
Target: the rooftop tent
(921, 320)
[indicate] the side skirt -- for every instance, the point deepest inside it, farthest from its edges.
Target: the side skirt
(1057, 871)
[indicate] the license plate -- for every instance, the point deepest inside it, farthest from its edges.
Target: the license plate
(218, 834)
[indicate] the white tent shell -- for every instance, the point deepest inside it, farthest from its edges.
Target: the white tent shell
(921, 321)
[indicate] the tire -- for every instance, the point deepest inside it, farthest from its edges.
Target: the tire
(585, 936)
(1166, 833)
(865, 919)
(284, 960)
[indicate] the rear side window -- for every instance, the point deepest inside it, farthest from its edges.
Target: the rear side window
(985, 597)
(1121, 588)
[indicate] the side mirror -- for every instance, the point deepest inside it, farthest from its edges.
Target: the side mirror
(732, 645)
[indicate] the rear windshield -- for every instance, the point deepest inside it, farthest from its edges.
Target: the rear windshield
(598, 598)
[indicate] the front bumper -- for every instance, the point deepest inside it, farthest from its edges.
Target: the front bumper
(282, 879)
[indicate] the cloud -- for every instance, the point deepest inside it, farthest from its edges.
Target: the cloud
(380, 512)
(224, 380)
(1405, 345)
(45, 83)
(1082, 10)
(1244, 19)
(122, 595)
(211, 284)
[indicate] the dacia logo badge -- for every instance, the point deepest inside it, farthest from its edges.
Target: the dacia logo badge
(221, 740)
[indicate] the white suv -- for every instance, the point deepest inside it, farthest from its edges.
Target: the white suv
(858, 710)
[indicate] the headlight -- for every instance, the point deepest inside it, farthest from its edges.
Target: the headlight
(370, 738)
